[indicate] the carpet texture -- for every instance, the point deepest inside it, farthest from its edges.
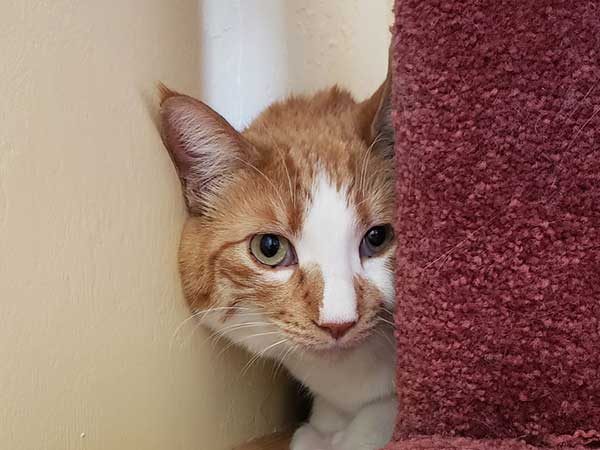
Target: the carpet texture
(497, 116)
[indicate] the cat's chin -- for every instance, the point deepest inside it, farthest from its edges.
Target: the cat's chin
(333, 352)
(334, 349)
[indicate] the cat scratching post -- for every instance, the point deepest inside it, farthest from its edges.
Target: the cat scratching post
(497, 116)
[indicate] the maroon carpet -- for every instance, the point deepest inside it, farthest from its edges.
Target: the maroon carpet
(497, 112)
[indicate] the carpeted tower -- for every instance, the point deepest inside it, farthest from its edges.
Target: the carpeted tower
(497, 116)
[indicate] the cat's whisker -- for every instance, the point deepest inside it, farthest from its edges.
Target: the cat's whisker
(381, 319)
(391, 314)
(374, 195)
(364, 173)
(231, 328)
(195, 315)
(243, 325)
(217, 335)
(205, 312)
(250, 362)
(578, 105)
(260, 354)
(278, 149)
(360, 171)
(585, 124)
(364, 169)
(282, 359)
(232, 343)
(385, 337)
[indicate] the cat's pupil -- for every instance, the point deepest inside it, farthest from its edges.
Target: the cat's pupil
(269, 245)
(376, 236)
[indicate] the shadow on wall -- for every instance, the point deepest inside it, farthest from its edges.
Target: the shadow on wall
(243, 56)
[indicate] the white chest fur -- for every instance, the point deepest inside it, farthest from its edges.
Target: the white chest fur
(354, 398)
(352, 379)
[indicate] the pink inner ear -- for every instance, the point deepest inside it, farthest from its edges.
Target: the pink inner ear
(204, 147)
(179, 122)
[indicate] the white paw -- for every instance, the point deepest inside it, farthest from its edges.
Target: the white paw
(307, 438)
(370, 429)
(337, 439)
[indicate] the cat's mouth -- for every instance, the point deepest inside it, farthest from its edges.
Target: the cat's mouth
(317, 339)
(328, 347)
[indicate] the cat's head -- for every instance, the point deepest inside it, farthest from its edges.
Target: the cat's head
(289, 241)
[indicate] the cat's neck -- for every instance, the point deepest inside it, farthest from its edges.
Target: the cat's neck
(349, 379)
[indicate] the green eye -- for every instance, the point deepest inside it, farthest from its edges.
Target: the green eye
(272, 250)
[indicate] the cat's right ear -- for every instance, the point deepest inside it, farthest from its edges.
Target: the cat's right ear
(204, 147)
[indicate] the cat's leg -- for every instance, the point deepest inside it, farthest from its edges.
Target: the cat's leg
(370, 429)
(326, 418)
(325, 421)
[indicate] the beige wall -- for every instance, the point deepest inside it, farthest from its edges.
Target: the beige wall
(90, 214)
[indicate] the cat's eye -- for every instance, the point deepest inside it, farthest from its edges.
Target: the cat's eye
(272, 250)
(376, 240)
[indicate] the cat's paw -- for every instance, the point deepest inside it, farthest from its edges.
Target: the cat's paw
(344, 440)
(307, 438)
(337, 441)
(370, 429)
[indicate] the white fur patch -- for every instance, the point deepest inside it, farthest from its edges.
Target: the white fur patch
(282, 275)
(377, 272)
(330, 240)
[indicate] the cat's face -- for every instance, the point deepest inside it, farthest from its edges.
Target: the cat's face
(289, 244)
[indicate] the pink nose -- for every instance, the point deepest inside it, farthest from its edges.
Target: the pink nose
(336, 330)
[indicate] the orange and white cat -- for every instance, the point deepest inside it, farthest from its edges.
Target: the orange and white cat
(289, 248)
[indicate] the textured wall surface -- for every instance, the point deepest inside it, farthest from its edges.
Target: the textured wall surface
(90, 216)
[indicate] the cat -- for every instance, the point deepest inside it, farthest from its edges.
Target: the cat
(289, 250)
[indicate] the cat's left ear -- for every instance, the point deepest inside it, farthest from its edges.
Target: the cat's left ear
(375, 117)
(206, 149)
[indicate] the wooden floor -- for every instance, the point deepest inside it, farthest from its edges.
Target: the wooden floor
(277, 441)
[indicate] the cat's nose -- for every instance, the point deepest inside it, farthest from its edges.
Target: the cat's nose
(337, 330)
